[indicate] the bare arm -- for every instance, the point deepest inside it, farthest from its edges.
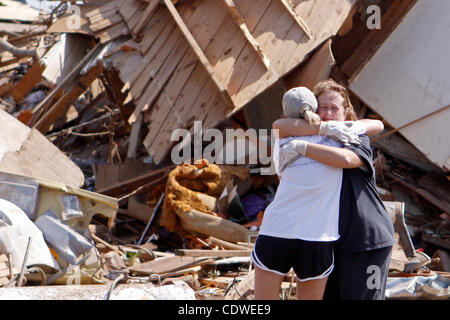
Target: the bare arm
(290, 127)
(373, 126)
(333, 156)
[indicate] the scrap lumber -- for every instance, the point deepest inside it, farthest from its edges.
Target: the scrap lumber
(410, 123)
(289, 7)
(226, 244)
(60, 107)
(197, 50)
(26, 84)
(184, 273)
(149, 179)
(316, 69)
(444, 206)
(213, 253)
(366, 49)
(26, 152)
(241, 23)
(37, 111)
(168, 264)
(5, 86)
(244, 289)
(145, 17)
(17, 52)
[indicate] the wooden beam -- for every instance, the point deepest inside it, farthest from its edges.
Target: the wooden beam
(409, 123)
(290, 8)
(231, 6)
(213, 253)
(168, 264)
(145, 18)
(197, 50)
(27, 83)
(59, 108)
(423, 193)
(69, 77)
(119, 189)
(316, 69)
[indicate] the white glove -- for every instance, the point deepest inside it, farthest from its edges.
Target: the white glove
(289, 152)
(338, 131)
(356, 127)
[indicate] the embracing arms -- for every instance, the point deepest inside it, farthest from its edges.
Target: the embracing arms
(290, 127)
(332, 156)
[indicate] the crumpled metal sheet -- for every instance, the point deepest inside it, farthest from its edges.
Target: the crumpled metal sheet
(435, 287)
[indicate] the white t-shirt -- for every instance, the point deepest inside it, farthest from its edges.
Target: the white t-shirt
(306, 204)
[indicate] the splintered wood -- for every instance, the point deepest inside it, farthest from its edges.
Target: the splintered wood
(205, 60)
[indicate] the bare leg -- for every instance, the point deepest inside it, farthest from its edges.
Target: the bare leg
(267, 285)
(312, 289)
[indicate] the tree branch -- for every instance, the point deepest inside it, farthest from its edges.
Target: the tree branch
(4, 44)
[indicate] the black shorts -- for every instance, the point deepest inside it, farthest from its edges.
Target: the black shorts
(359, 275)
(310, 259)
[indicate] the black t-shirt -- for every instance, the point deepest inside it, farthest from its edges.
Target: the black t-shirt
(364, 223)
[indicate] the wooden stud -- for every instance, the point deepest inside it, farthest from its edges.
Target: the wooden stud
(198, 51)
(58, 109)
(27, 83)
(290, 8)
(212, 253)
(145, 18)
(241, 23)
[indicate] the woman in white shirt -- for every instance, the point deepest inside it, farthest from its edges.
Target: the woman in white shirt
(301, 223)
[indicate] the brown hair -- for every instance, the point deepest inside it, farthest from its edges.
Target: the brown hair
(330, 84)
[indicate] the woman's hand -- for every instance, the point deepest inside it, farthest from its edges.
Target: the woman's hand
(340, 131)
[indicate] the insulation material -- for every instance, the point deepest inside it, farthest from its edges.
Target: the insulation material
(184, 209)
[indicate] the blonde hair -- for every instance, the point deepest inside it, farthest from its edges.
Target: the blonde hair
(332, 85)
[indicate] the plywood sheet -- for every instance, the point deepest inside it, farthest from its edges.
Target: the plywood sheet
(407, 79)
(26, 152)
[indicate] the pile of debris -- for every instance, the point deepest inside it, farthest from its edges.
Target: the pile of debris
(90, 96)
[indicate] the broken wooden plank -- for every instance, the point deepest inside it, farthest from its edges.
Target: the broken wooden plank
(316, 69)
(244, 289)
(5, 86)
(59, 108)
(241, 23)
(212, 253)
(289, 7)
(423, 193)
(410, 123)
(168, 264)
(226, 244)
(187, 84)
(150, 66)
(120, 29)
(145, 18)
(134, 138)
(26, 152)
(27, 83)
(436, 240)
(67, 79)
(198, 51)
(153, 28)
(124, 187)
